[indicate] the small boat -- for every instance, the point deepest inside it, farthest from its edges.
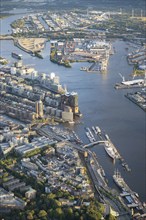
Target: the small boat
(84, 68)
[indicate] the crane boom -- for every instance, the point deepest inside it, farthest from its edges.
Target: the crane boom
(123, 78)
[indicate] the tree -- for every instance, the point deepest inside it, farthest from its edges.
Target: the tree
(69, 213)
(110, 217)
(59, 213)
(57, 203)
(30, 216)
(76, 216)
(51, 196)
(93, 212)
(51, 213)
(59, 194)
(42, 213)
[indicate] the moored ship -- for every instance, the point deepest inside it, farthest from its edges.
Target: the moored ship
(110, 151)
(120, 181)
(131, 197)
(98, 130)
(16, 56)
(131, 83)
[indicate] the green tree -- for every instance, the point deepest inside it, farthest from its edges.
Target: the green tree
(42, 213)
(57, 203)
(69, 213)
(51, 213)
(51, 196)
(59, 194)
(76, 216)
(111, 217)
(30, 216)
(93, 211)
(59, 214)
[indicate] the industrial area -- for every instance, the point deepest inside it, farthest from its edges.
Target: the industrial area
(53, 22)
(81, 50)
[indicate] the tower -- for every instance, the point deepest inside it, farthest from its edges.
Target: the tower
(39, 108)
(71, 100)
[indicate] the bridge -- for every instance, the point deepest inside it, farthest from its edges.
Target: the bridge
(95, 143)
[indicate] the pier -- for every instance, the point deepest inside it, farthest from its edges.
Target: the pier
(125, 194)
(103, 139)
(137, 99)
(95, 67)
(97, 137)
(6, 37)
(122, 86)
(95, 143)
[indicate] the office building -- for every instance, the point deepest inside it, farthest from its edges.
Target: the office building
(40, 108)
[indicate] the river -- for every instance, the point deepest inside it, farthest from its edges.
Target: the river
(102, 106)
